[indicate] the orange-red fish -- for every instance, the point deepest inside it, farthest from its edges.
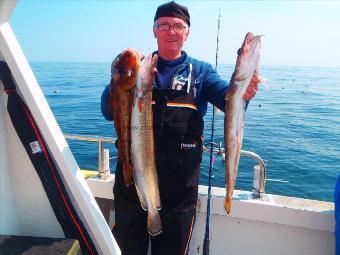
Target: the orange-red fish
(124, 70)
(247, 65)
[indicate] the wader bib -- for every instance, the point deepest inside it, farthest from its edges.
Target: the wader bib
(178, 129)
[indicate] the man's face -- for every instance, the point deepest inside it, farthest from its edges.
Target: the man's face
(172, 40)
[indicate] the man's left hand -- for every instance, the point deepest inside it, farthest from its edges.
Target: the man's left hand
(252, 88)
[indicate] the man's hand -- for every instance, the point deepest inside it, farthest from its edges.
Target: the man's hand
(252, 88)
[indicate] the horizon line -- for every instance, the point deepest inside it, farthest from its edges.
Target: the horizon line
(262, 65)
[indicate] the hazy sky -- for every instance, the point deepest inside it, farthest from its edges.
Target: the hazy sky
(296, 33)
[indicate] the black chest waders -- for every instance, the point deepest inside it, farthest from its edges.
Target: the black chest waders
(178, 129)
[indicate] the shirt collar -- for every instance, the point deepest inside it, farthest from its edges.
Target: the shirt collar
(171, 63)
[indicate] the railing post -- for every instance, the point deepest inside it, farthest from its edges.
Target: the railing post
(256, 181)
(106, 164)
(100, 157)
(103, 161)
(259, 179)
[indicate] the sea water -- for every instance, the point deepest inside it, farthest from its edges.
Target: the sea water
(293, 124)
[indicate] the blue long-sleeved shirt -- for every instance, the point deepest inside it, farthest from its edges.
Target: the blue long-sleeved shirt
(209, 87)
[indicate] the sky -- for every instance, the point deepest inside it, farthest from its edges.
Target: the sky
(296, 33)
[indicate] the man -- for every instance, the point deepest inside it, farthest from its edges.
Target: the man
(182, 89)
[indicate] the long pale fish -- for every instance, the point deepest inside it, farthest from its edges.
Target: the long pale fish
(142, 145)
(124, 71)
(247, 65)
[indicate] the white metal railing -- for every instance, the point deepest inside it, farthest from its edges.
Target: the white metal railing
(103, 154)
(259, 178)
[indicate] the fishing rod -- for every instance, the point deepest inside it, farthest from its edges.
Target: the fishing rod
(206, 243)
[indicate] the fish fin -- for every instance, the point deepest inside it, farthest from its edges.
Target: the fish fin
(158, 200)
(142, 200)
(154, 224)
(264, 82)
(159, 205)
(144, 207)
(227, 205)
(260, 79)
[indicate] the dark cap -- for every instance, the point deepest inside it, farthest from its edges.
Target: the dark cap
(172, 9)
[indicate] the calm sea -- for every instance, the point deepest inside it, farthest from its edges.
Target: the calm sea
(294, 124)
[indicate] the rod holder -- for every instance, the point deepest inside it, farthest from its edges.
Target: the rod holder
(259, 178)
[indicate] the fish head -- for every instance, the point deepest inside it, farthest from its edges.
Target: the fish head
(147, 74)
(125, 68)
(145, 80)
(248, 59)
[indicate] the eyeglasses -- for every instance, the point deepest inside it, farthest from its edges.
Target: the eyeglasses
(167, 27)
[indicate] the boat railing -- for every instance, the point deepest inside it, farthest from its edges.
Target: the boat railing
(259, 177)
(103, 154)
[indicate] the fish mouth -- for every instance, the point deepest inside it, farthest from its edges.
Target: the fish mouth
(129, 63)
(250, 43)
(248, 56)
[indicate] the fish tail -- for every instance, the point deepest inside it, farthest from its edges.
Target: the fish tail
(154, 224)
(227, 205)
